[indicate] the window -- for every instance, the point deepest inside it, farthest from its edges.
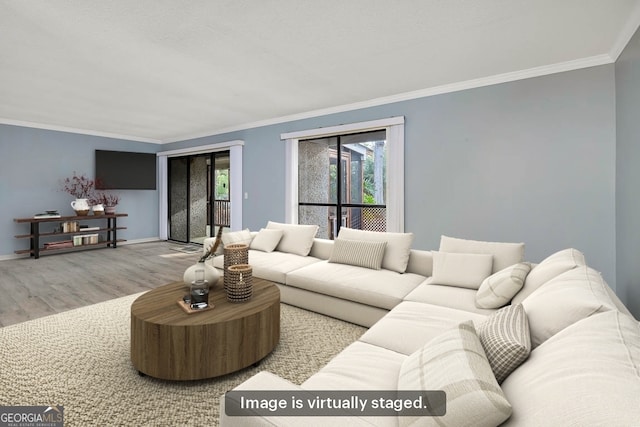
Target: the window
(349, 175)
(349, 192)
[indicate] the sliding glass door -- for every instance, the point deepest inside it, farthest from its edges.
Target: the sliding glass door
(198, 196)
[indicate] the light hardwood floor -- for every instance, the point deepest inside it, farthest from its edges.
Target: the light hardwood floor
(31, 288)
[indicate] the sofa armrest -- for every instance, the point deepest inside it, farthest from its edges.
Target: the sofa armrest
(321, 248)
(420, 262)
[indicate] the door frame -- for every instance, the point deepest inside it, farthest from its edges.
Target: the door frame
(235, 149)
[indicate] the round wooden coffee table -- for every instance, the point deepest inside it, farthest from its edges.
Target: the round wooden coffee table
(168, 343)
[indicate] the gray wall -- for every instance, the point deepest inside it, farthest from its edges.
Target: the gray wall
(33, 162)
(628, 174)
(530, 161)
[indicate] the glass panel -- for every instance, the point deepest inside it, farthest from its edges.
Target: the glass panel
(367, 172)
(326, 219)
(178, 199)
(316, 171)
(199, 198)
(222, 176)
(317, 183)
(222, 204)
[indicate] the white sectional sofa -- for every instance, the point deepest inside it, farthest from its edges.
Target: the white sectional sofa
(546, 344)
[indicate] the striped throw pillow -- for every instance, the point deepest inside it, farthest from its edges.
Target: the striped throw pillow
(456, 363)
(358, 252)
(506, 340)
(498, 289)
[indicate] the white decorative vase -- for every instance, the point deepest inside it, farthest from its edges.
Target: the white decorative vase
(211, 274)
(81, 206)
(98, 209)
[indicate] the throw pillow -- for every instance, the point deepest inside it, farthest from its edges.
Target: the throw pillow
(504, 254)
(550, 267)
(296, 239)
(463, 270)
(266, 240)
(242, 236)
(396, 253)
(456, 363)
(358, 252)
(498, 289)
(505, 339)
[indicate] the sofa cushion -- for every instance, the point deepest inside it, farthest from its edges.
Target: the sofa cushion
(462, 270)
(504, 254)
(296, 239)
(586, 375)
(410, 325)
(568, 298)
(456, 363)
(360, 366)
(550, 267)
(499, 288)
(378, 288)
(446, 296)
(505, 339)
(266, 240)
(272, 266)
(358, 252)
(241, 236)
(396, 254)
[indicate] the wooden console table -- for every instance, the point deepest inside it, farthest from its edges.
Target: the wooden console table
(35, 235)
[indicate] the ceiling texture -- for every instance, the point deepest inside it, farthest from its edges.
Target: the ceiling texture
(168, 70)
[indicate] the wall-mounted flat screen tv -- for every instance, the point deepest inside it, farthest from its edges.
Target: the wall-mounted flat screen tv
(125, 170)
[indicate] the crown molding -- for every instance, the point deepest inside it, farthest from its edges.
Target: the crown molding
(627, 32)
(592, 61)
(76, 130)
(423, 93)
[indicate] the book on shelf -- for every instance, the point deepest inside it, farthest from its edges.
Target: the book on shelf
(59, 244)
(88, 228)
(46, 215)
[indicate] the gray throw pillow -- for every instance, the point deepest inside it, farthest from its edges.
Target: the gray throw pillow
(506, 340)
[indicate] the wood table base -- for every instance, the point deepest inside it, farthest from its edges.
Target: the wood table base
(169, 344)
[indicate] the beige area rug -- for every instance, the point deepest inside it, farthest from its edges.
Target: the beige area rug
(80, 359)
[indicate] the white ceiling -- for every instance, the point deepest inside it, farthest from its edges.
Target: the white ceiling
(162, 71)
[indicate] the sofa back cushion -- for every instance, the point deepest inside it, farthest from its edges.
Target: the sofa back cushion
(462, 270)
(241, 236)
(504, 254)
(561, 302)
(266, 240)
(396, 253)
(296, 239)
(455, 362)
(550, 267)
(586, 375)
